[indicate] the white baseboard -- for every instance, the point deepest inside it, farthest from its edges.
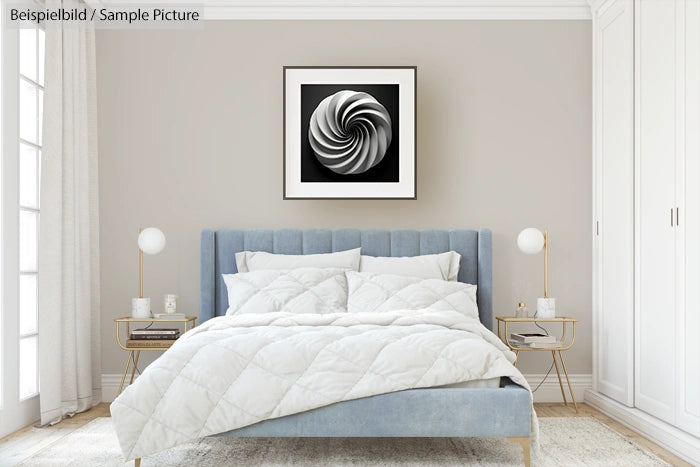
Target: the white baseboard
(110, 386)
(548, 392)
(667, 436)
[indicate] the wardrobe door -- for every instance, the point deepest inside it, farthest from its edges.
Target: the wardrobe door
(655, 316)
(614, 204)
(688, 350)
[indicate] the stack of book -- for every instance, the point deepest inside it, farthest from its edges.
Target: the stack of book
(533, 340)
(153, 337)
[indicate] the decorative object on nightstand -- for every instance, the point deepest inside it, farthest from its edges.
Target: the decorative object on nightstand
(140, 307)
(518, 342)
(148, 338)
(151, 241)
(531, 241)
(521, 311)
(170, 303)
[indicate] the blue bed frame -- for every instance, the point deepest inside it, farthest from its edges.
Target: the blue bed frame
(434, 412)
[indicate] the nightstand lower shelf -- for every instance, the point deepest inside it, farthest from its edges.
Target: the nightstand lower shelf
(556, 348)
(556, 366)
(135, 346)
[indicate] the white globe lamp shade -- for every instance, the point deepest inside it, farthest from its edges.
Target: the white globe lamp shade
(151, 241)
(530, 241)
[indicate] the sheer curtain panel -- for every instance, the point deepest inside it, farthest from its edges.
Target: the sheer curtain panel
(69, 295)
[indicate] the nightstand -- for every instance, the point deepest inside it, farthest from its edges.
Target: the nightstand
(556, 349)
(135, 350)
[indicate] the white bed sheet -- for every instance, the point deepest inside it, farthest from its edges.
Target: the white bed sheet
(490, 383)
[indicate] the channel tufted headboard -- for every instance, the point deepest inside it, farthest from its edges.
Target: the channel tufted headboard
(218, 248)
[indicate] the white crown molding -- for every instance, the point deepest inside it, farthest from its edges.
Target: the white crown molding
(376, 9)
(598, 7)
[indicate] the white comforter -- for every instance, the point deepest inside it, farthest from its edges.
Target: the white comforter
(237, 370)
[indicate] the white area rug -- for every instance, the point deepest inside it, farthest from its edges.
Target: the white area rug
(565, 442)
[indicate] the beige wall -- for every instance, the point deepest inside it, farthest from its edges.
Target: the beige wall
(190, 136)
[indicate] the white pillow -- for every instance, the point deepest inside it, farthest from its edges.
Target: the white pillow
(304, 290)
(443, 266)
(390, 292)
(248, 261)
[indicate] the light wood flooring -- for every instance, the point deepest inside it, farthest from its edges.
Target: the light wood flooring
(25, 442)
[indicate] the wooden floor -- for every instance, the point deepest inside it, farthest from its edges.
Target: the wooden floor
(25, 442)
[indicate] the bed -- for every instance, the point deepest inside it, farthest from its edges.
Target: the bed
(503, 411)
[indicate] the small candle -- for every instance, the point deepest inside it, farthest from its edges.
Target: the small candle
(521, 311)
(170, 303)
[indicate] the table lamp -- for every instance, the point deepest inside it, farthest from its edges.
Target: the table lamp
(531, 241)
(151, 241)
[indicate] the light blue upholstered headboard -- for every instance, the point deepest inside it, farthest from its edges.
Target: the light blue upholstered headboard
(219, 247)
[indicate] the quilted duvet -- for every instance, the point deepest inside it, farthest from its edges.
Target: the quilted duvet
(235, 371)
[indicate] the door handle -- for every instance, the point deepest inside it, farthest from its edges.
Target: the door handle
(671, 217)
(678, 222)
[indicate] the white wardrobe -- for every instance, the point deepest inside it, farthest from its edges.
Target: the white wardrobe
(646, 225)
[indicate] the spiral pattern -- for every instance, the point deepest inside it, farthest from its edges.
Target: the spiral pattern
(350, 132)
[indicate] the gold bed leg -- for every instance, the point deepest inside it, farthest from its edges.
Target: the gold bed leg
(137, 462)
(525, 444)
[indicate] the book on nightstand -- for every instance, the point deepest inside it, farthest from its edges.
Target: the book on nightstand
(155, 337)
(155, 334)
(528, 338)
(154, 343)
(545, 345)
(537, 345)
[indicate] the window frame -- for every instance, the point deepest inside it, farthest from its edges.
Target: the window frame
(35, 210)
(15, 411)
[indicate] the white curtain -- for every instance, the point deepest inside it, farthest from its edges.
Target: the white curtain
(69, 295)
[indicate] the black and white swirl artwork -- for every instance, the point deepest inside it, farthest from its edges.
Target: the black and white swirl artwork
(350, 132)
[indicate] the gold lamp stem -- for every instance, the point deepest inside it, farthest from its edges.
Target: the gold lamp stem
(141, 270)
(546, 262)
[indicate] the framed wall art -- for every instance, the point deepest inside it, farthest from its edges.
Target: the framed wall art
(349, 132)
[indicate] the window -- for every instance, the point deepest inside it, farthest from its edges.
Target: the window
(31, 97)
(21, 144)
